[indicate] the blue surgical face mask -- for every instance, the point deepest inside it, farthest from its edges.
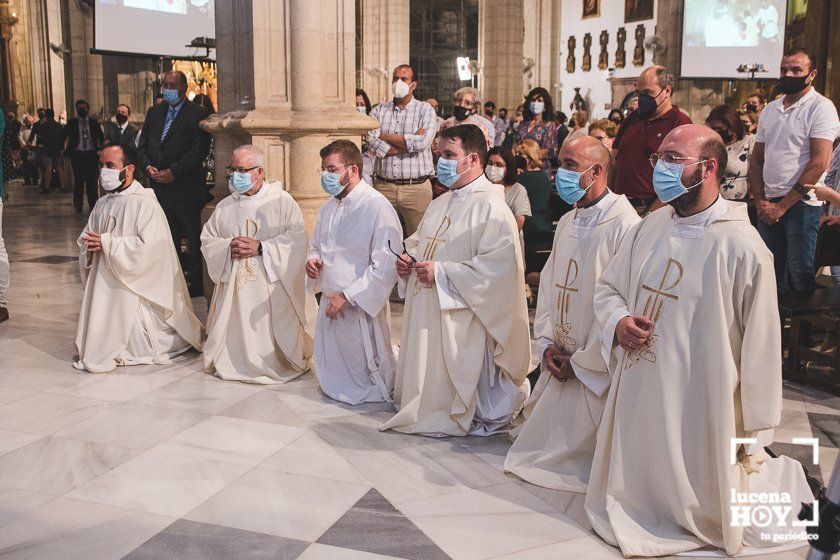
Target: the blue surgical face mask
(447, 172)
(331, 183)
(537, 107)
(171, 96)
(240, 182)
(568, 184)
(667, 180)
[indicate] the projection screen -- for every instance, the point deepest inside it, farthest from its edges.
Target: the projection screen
(720, 35)
(152, 27)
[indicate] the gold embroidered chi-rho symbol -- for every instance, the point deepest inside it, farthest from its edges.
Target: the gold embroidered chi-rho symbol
(654, 305)
(247, 274)
(562, 338)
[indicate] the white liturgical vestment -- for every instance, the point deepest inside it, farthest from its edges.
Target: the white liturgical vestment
(665, 478)
(465, 347)
(257, 320)
(136, 308)
(554, 447)
(354, 359)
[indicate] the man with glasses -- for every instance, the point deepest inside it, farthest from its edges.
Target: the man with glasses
(350, 264)
(640, 135)
(172, 150)
(690, 332)
(255, 247)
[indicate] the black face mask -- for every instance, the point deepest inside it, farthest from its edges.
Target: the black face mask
(752, 107)
(648, 104)
(489, 112)
(121, 118)
(616, 120)
(725, 135)
(791, 85)
(82, 112)
(461, 113)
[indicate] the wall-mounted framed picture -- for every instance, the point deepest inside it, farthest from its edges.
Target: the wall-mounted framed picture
(637, 10)
(591, 9)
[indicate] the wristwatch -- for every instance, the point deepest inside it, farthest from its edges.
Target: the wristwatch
(259, 248)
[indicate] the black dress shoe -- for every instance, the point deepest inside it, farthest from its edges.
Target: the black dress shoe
(4, 314)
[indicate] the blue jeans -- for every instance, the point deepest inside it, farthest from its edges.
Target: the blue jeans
(793, 242)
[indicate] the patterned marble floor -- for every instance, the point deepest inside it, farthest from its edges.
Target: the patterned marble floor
(154, 463)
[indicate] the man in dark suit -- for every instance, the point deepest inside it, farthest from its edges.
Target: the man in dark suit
(172, 150)
(84, 139)
(122, 132)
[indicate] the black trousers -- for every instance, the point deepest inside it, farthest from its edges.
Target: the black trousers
(184, 217)
(85, 177)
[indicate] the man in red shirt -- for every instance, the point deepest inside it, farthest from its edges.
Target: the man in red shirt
(641, 134)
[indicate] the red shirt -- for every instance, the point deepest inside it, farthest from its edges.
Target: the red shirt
(636, 140)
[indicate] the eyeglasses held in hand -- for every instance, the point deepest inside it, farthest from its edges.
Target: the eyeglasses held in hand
(412, 261)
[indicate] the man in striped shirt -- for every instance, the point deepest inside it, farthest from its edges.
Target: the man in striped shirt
(402, 145)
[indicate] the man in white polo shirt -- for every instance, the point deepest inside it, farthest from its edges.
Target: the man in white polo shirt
(792, 149)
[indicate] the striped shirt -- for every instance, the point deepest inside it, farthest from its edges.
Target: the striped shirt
(417, 162)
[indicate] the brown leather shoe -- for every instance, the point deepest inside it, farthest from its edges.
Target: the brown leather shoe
(4, 314)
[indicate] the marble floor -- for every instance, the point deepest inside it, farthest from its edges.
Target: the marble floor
(161, 463)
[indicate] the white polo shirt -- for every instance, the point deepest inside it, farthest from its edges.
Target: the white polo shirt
(786, 134)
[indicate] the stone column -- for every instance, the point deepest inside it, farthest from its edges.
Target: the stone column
(286, 76)
(501, 34)
(7, 88)
(385, 35)
(542, 46)
(87, 76)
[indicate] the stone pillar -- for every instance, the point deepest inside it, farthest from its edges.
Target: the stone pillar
(286, 73)
(385, 35)
(542, 46)
(7, 88)
(87, 77)
(501, 34)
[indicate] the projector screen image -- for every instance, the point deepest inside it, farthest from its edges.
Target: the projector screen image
(152, 27)
(720, 35)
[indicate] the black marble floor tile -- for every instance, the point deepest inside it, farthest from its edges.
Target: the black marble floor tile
(826, 427)
(202, 541)
(802, 453)
(374, 525)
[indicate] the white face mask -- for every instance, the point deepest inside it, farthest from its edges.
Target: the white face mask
(494, 174)
(400, 89)
(109, 179)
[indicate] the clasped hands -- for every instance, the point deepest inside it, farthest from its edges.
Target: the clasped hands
(163, 176)
(338, 302)
(769, 212)
(244, 247)
(558, 363)
(425, 270)
(93, 242)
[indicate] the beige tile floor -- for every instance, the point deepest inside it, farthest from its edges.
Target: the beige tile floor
(167, 462)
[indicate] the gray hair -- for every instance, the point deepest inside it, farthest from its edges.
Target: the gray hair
(255, 154)
(459, 95)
